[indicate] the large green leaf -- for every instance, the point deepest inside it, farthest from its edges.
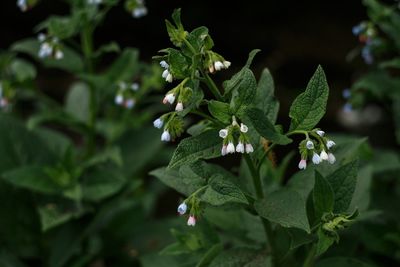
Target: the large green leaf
(309, 107)
(264, 127)
(220, 111)
(323, 196)
(265, 99)
(245, 90)
(239, 257)
(77, 101)
(23, 70)
(203, 146)
(343, 182)
(341, 262)
(285, 207)
(52, 216)
(222, 191)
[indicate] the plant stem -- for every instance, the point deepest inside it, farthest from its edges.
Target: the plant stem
(309, 261)
(264, 156)
(87, 48)
(260, 194)
(212, 86)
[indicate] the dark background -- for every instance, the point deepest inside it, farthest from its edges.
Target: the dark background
(294, 36)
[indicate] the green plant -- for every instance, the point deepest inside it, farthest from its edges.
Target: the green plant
(248, 215)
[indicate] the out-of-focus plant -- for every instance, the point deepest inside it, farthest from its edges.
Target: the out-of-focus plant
(238, 208)
(380, 48)
(72, 191)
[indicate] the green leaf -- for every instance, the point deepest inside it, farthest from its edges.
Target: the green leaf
(112, 154)
(198, 37)
(323, 196)
(285, 207)
(265, 99)
(203, 146)
(77, 101)
(71, 61)
(52, 216)
(23, 70)
(178, 64)
(220, 111)
(343, 182)
(111, 47)
(124, 67)
(222, 191)
(173, 179)
(10, 260)
(102, 183)
(361, 197)
(210, 255)
(33, 178)
(264, 127)
(396, 117)
(195, 100)
(341, 262)
(245, 90)
(252, 54)
(61, 27)
(239, 257)
(309, 107)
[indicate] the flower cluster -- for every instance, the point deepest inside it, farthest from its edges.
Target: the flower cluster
(232, 132)
(166, 73)
(136, 7)
(215, 62)
(173, 126)
(125, 95)
(49, 47)
(316, 148)
(366, 34)
(194, 203)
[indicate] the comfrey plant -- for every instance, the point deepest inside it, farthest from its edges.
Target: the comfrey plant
(379, 37)
(250, 197)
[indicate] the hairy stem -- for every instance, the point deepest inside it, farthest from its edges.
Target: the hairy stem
(255, 174)
(309, 261)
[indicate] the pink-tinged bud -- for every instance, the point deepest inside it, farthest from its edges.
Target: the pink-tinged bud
(249, 148)
(179, 106)
(240, 147)
(224, 150)
(331, 158)
(169, 98)
(230, 149)
(302, 164)
(191, 221)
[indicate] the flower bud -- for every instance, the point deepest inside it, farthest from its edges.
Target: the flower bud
(230, 149)
(331, 158)
(166, 137)
(320, 133)
(330, 144)
(302, 164)
(59, 55)
(135, 86)
(169, 78)
(224, 150)
(164, 64)
(316, 159)
(191, 221)
(249, 148)
(243, 128)
(310, 144)
(119, 99)
(223, 133)
(226, 64)
(179, 106)
(323, 155)
(130, 103)
(158, 123)
(218, 65)
(182, 208)
(240, 147)
(169, 98)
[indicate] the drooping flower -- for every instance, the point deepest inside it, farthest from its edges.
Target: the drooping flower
(164, 64)
(240, 147)
(224, 150)
(302, 164)
(139, 12)
(59, 54)
(244, 128)
(166, 137)
(316, 159)
(158, 123)
(223, 133)
(218, 65)
(129, 103)
(23, 5)
(191, 221)
(331, 158)
(169, 98)
(135, 86)
(310, 144)
(182, 208)
(323, 155)
(320, 133)
(230, 149)
(330, 144)
(179, 106)
(249, 148)
(119, 99)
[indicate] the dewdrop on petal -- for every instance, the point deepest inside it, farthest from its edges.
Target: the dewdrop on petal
(182, 208)
(223, 133)
(158, 123)
(323, 155)
(166, 137)
(249, 148)
(230, 149)
(331, 158)
(240, 147)
(191, 221)
(330, 144)
(302, 164)
(316, 159)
